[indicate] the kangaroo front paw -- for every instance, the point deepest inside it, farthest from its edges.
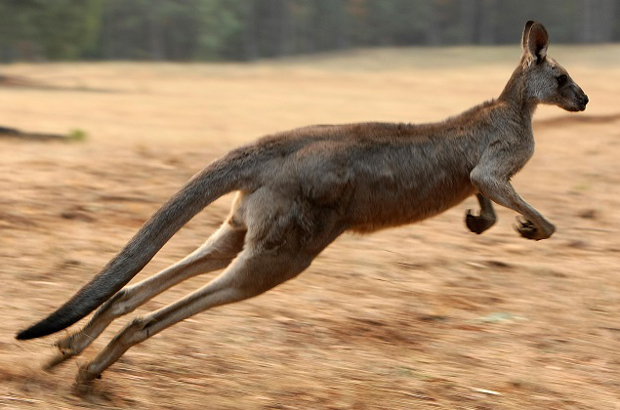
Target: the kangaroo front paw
(478, 224)
(530, 231)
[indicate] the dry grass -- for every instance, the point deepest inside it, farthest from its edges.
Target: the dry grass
(425, 316)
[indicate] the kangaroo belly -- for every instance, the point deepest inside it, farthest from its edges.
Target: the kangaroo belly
(377, 207)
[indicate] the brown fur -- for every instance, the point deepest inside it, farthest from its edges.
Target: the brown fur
(300, 189)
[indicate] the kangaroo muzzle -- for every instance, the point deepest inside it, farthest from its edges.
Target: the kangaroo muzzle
(581, 98)
(583, 101)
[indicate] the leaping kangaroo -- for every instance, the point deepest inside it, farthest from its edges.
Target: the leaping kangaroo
(299, 190)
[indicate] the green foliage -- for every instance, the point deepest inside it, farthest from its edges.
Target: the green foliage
(398, 22)
(248, 29)
(77, 135)
(56, 29)
(64, 28)
(221, 27)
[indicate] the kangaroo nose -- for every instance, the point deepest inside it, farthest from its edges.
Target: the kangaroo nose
(585, 99)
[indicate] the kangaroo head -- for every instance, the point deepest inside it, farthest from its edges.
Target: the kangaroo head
(547, 82)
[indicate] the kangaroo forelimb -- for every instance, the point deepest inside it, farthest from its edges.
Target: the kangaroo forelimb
(483, 221)
(535, 226)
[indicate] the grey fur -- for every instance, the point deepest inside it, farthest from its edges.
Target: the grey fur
(301, 189)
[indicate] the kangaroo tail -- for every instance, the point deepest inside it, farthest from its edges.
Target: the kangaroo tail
(217, 179)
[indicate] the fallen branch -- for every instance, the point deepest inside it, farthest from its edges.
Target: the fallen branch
(6, 132)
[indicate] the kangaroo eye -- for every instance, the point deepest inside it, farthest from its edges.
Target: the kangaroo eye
(562, 80)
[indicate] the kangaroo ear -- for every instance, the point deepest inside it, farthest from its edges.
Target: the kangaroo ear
(535, 41)
(526, 33)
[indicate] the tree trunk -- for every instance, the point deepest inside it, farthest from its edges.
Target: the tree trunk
(155, 35)
(488, 22)
(433, 32)
(283, 15)
(597, 21)
(250, 47)
(468, 13)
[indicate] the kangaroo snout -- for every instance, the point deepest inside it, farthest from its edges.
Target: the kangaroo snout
(583, 101)
(574, 99)
(580, 98)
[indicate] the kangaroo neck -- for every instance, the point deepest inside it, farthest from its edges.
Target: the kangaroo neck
(515, 96)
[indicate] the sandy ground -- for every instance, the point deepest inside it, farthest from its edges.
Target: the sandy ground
(425, 316)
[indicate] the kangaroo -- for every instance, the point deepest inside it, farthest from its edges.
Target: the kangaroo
(299, 190)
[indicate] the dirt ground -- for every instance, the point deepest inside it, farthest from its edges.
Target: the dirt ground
(425, 316)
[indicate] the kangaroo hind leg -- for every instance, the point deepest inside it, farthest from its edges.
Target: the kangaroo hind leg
(252, 273)
(216, 253)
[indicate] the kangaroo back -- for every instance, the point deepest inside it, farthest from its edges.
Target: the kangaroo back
(217, 179)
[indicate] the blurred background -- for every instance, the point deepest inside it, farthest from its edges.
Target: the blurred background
(108, 107)
(197, 30)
